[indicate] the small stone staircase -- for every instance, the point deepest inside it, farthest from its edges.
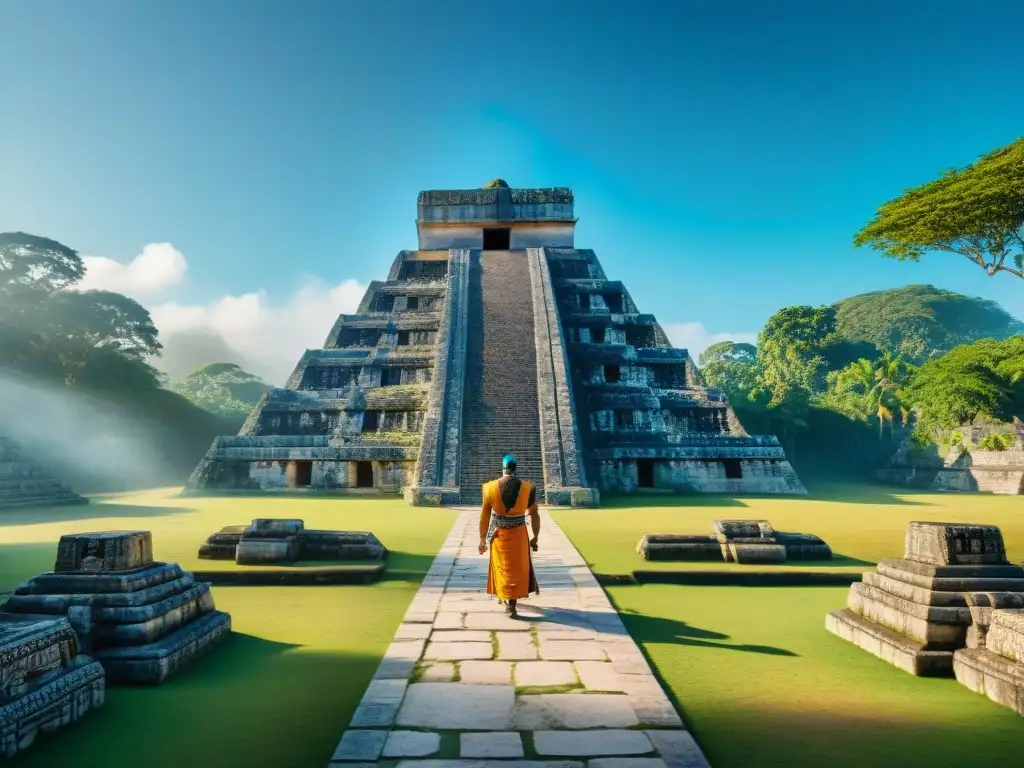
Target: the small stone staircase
(23, 482)
(500, 411)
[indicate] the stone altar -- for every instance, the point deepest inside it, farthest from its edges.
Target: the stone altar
(45, 683)
(739, 541)
(142, 620)
(992, 664)
(916, 611)
(285, 541)
(407, 393)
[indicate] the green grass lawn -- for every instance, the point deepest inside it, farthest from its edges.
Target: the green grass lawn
(759, 679)
(281, 690)
(861, 523)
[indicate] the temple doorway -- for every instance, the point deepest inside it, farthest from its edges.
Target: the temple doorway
(299, 474)
(497, 239)
(733, 469)
(364, 474)
(645, 473)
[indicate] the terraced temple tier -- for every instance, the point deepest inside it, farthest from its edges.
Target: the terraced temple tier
(23, 480)
(142, 620)
(285, 541)
(993, 664)
(915, 612)
(739, 541)
(45, 683)
(496, 335)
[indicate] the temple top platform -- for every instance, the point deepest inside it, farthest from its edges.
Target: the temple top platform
(499, 218)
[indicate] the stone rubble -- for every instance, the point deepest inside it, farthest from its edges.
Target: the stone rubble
(564, 682)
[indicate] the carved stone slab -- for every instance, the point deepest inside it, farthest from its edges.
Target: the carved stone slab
(743, 529)
(271, 528)
(104, 551)
(955, 544)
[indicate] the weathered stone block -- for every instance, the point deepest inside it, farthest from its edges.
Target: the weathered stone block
(955, 544)
(668, 546)
(221, 545)
(1006, 634)
(803, 546)
(743, 529)
(987, 673)
(892, 647)
(272, 528)
(261, 551)
(104, 551)
(44, 682)
(750, 553)
(340, 545)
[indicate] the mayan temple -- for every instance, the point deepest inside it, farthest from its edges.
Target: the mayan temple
(498, 335)
(24, 481)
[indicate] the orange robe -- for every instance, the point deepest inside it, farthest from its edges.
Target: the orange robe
(510, 574)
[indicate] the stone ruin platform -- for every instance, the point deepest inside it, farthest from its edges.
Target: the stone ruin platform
(740, 541)
(915, 612)
(992, 664)
(142, 620)
(45, 683)
(282, 541)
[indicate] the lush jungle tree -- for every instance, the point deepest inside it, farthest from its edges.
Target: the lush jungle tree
(870, 389)
(918, 322)
(983, 379)
(976, 212)
(730, 366)
(222, 388)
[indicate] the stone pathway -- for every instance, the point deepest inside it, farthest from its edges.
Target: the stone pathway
(464, 686)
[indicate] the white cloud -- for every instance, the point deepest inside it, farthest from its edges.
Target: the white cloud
(158, 267)
(267, 334)
(696, 338)
(271, 336)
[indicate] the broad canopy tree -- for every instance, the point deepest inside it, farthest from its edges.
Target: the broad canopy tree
(976, 212)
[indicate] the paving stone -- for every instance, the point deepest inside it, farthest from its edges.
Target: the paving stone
(678, 749)
(460, 635)
(495, 622)
(458, 707)
(486, 672)
(538, 674)
(627, 762)
(360, 745)
(405, 649)
(448, 621)
(413, 631)
(399, 669)
(459, 651)
(552, 711)
(570, 650)
(495, 744)
(381, 691)
(411, 744)
(516, 646)
(599, 676)
(438, 672)
(587, 743)
(374, 715)
(655, 710)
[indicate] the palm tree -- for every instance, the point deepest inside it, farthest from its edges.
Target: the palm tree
(872, 389)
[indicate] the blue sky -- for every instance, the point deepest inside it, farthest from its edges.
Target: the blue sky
(722, 154)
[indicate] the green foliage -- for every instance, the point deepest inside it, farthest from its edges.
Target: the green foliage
(869, 390)
(222, 388)
(918, 322)
(731, 367)
(496, 184)
(95, 342)
(796, 349)
(982, 379)
(998, 441)
(976, 212)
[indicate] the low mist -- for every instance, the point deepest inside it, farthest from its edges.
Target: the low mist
(85, 442)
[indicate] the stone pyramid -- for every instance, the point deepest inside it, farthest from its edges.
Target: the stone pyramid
(23, 481)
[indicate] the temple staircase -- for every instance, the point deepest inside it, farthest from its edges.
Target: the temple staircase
(25, 482)
(500, 410)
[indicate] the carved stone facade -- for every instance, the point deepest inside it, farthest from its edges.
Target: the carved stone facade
(496, 336)
(45, 683)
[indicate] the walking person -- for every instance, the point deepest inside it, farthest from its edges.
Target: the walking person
(506, 504)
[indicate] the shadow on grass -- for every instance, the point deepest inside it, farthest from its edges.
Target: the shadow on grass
(838, 493)
(405, 566)
(241, 704)
(653, 629)
(44, 515)
(291, 494)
